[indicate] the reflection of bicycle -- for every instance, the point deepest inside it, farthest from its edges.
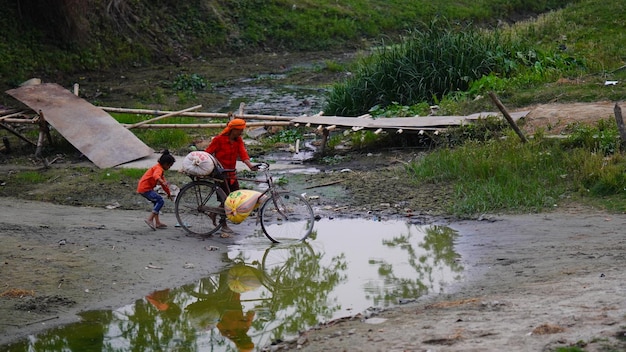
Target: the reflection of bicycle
(284, 215)
(260, 296)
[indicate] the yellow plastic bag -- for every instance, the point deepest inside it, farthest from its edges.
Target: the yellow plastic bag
(239, 204)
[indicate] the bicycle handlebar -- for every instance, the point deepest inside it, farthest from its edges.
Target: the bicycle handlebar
(262, 166)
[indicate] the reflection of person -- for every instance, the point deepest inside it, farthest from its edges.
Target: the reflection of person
(227, 147)
(222, 307)
(163, 302)
(153, 177)
(234, 324)
(159, 299)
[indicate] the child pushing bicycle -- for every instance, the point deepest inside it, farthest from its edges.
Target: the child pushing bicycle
(150, 179)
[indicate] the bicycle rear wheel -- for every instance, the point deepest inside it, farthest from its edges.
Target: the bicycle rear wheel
(197, 208)
(286, 216)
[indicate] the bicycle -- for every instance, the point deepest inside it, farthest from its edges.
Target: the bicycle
(284, 215)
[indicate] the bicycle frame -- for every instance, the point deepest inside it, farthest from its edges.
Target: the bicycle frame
(287, 216)
(221, 178)
(271, 188)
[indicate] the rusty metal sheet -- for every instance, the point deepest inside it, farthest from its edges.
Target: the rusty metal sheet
(87, 127)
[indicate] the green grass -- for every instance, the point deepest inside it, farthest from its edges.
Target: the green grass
(508, 175)
(42, 39)
(161, 138)
(31, 177)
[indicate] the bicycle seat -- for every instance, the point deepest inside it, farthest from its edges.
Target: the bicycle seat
(219, 170)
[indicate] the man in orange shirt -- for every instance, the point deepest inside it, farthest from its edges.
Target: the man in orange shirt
(227, 147)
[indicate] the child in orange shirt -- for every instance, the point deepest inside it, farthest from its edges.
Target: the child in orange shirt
(155, 176)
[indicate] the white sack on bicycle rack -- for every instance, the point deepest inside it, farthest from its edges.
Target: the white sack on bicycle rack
(199, 163)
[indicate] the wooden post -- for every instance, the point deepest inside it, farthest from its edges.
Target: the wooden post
(241, 106)
(508, 117)
(44, 131)
(43, 125)
(620, 124)
(6, 148)
(325, 133)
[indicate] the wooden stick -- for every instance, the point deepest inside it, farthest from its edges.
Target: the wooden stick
(210, 125)
(20, 136)
(40, 321)
(507, 116)
(164, 116)
(13, 115)
(217, 115)
(324, 184)
(241, 106)
(28, 120)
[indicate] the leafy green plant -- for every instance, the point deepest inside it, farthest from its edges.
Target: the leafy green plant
(334, 141)
(287, 135)
(190, 83)
(363, 139)
(602, 138)
(427, 65)
(481, 130)
(397, 110)
(332, 159)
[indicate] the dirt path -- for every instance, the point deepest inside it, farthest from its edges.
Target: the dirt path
(534, 281)
(68, 259)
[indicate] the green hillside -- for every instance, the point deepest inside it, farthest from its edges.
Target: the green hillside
(47, 38)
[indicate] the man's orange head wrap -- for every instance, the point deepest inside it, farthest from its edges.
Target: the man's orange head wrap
(234, 124)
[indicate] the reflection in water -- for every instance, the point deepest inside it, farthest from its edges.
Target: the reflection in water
(272, 293)
(437, 257)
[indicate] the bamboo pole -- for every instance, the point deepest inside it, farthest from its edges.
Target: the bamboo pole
(209, 125)
(164, 116)
(507, 116)
(5, 117)
(30, 120)
(17, 134)
(217, 115)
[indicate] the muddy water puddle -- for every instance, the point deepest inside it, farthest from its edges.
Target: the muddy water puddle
(268, 293)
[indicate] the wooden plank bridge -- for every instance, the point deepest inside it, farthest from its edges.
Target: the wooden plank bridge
(108, 143)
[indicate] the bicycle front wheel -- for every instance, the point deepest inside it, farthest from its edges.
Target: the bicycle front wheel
(198, 209)
(286, 216)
